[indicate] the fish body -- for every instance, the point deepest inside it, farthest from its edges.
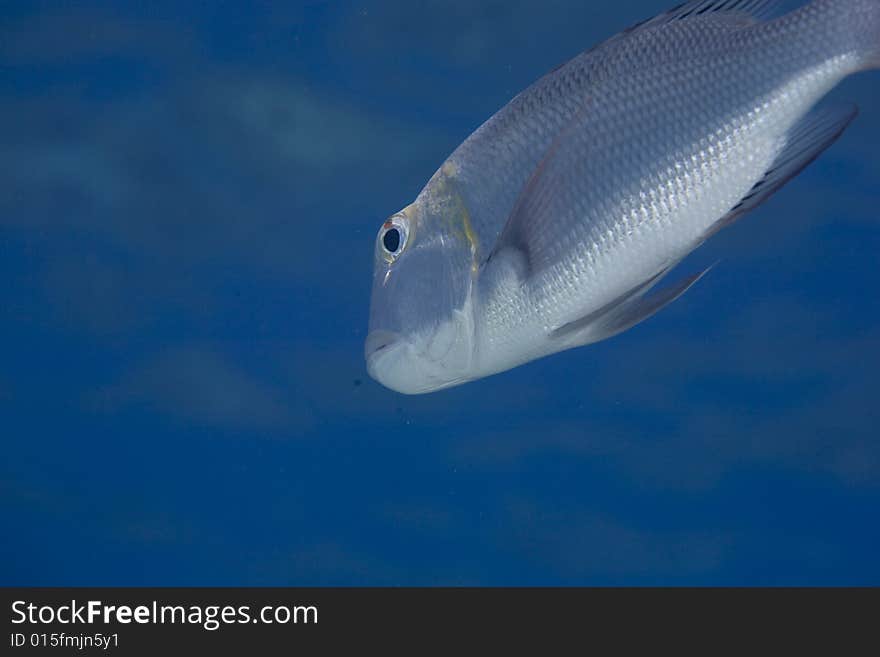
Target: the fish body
(550, 226)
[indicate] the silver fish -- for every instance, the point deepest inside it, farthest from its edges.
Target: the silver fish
(550, 226)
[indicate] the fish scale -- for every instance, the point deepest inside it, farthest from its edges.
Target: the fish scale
(559, 215)
(597, 220)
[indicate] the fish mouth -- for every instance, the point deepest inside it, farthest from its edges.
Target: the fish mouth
(379, 341)
(387, 355)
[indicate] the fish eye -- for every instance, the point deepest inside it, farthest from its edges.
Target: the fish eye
(392, 238)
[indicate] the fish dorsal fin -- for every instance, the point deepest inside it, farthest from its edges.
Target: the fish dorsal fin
(809, 137)
(755, 9)
(746, 11)
(626, 311)
(734, 13)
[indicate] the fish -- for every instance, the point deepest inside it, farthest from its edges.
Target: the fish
(550, 227)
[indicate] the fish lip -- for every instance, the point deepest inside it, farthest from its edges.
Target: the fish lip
(378, 341)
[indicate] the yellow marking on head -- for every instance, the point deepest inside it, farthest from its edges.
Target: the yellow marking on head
(440, 201)
(409, 212)
(454, 207)
(471, 236)
(449, 169)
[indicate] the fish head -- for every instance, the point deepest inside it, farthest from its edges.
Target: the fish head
(421, 333)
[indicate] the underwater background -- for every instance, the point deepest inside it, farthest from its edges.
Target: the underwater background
(189, 198)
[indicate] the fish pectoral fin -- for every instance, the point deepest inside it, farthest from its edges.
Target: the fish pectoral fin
(541, 216)
(624, 312)
(809, 137)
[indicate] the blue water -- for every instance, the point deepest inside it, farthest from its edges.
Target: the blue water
(189, 197)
